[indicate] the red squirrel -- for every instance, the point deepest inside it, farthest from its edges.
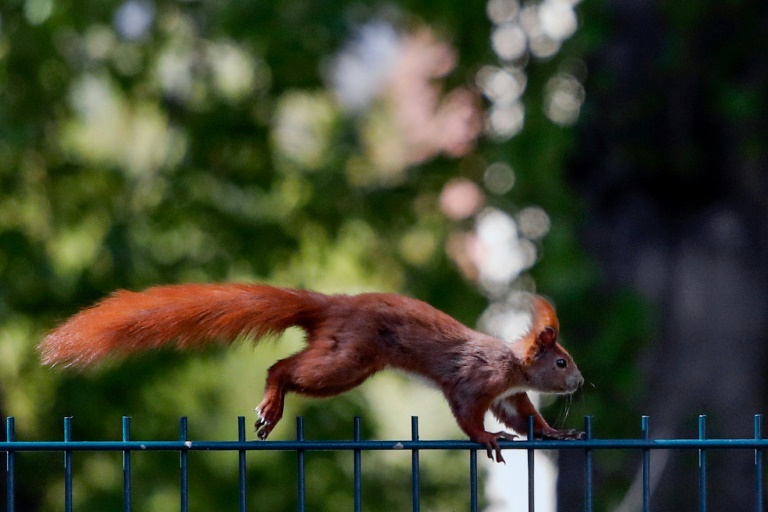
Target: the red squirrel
(348, 339)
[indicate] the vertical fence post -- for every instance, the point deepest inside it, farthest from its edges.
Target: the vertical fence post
(358, 467)
(473, 480)
(646, 466)
(10, 465)
(68, 465)
(415, 465)
(531, 469)
(184, 483)
(588, 466)
(301, 477)
(126, 465)
(758, 464)
(241, 468)
(702, 465)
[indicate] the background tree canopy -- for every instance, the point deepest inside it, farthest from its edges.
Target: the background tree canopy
(430, 148)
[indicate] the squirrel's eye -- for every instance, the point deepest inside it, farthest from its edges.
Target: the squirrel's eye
(561, 363)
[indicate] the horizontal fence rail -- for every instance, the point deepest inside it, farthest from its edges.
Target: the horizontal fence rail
(11, 447)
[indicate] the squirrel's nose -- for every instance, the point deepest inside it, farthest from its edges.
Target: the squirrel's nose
(575, 381)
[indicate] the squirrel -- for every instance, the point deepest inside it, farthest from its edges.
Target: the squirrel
(348, 339)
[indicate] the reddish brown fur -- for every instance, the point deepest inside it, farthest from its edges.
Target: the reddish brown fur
(349, 338)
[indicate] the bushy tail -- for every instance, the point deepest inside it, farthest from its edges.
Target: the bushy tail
(186, 315)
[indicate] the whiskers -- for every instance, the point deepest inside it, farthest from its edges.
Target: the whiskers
(565, 410)
(579, 394)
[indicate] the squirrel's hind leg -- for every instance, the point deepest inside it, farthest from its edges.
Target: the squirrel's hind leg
(320, 370)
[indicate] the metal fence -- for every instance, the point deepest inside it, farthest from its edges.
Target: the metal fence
(588, 446)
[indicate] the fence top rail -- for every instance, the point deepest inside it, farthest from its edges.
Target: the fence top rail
(309, 445)
(183, 444)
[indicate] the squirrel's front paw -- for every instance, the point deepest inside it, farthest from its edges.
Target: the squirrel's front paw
(491, 441)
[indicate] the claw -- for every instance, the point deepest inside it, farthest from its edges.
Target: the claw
(262, 425)
(493, 444)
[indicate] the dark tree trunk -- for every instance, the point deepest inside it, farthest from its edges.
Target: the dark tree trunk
(675, 174)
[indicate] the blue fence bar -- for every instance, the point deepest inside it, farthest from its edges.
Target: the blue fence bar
(67, 465)
(350, 445)
(241, 470)
(126, 466)
(758, 464)
(644, 427)
(531, 469)
(588, 465)
(10, 466)
(301, 475)
(184, 469)
(473, 480)
(702, 444)
(358, 468)
(702, 465)
(415, 463)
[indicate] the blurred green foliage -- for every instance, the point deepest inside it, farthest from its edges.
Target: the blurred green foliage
(132, 161)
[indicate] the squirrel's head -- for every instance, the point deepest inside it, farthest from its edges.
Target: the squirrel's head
(549, 367)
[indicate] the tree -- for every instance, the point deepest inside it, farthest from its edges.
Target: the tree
(145, 143)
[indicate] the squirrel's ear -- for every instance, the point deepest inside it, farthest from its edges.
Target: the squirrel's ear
(547, 337)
